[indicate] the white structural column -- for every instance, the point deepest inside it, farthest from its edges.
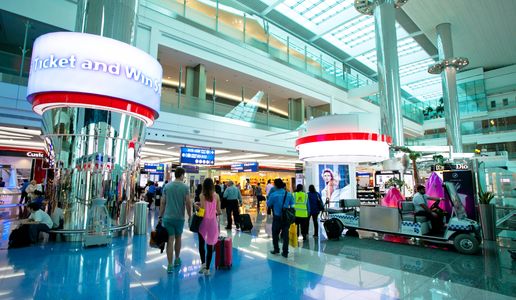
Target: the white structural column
(388, 65)
(448, 66)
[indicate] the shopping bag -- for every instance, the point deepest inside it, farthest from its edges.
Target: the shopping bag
(268, 226)
(200, 212)
(292, 235)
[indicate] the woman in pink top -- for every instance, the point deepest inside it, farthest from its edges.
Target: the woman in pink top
(209, 229)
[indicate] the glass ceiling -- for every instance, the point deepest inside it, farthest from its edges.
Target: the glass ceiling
(338, 22)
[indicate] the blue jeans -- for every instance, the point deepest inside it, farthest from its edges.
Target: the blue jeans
(277, 227)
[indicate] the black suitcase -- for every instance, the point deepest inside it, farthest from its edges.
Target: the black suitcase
(19, 237)
(333, 229)
(245, 222)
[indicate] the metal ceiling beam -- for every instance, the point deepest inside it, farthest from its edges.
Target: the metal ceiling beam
(271, 7)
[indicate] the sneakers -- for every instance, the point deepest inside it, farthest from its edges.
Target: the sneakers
(170, 269)
(206, 272)
(285, 255)
(274, 252)
(203, 267)
(177, 262)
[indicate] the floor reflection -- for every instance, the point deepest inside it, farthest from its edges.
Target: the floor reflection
(365, 267)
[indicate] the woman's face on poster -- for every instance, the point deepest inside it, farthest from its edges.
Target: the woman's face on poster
(327, 176)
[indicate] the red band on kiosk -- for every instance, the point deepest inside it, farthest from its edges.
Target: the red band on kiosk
(63, 99)
(344, 136)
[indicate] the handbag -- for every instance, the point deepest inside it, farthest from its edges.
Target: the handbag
(320, 204)
(196, 223)
(288, 214)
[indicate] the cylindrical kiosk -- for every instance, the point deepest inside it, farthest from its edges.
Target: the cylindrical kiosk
(332, 145)
(96, 96)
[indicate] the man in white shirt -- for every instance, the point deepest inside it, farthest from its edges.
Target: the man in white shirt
(421, 208)
(57, 217)
(38, 221)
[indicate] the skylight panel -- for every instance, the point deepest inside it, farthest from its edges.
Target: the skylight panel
(415, 67)
(425, 83)
(318, 11)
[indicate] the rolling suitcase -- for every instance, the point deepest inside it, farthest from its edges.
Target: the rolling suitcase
(245, 222)
(224, 253)
(333, 229)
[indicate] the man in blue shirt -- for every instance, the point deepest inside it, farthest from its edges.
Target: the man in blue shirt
(278, 200)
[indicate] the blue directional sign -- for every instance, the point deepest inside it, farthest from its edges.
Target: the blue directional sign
(197, 156)
(245, 167)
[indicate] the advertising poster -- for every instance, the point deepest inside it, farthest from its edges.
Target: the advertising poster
(334, 183)
(463, 181)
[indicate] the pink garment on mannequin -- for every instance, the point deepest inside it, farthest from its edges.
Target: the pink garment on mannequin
(392, 198)
(434, 188)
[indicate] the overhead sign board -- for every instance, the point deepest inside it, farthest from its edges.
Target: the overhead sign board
(197, 156)
(154, 168)
(72, 62)
(245, 167)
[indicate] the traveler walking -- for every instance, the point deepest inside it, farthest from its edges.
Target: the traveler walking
(316, 206)
(302, 207)
(233, 201)
(278, 200)
(176, 199)
(209, 228)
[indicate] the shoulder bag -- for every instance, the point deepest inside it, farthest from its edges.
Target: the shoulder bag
(288, 214)
(196, 223)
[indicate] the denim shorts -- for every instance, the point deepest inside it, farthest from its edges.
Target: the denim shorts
(174, 227)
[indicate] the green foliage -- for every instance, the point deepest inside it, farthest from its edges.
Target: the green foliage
(439, 159)
(485, 197)
(394, 182)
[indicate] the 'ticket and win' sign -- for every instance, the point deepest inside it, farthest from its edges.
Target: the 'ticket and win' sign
(86, 63)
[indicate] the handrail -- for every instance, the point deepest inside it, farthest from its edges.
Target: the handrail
(79, 231)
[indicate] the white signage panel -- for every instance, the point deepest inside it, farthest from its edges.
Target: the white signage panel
(86, 63)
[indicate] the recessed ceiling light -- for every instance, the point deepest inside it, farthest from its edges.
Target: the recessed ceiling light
(154, 143)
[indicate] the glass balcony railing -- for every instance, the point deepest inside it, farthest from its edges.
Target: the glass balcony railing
(245, 111)
(258, 33)
(469, 131)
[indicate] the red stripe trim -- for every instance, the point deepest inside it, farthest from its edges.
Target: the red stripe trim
(92, 100)
(15, 149)
(344, 136)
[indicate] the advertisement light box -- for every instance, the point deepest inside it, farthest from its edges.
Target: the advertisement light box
(197, 156)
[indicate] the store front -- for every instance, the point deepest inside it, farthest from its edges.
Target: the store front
(19, 163)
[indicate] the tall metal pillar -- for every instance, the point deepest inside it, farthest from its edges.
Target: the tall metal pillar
(112, 19)
(387, 62)
(448, 66)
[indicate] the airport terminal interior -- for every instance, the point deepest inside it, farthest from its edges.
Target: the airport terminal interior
(391, 122)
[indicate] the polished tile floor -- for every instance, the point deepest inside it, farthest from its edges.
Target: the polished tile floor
(352, 268)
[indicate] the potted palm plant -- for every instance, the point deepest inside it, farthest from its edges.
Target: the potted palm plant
(487, 215)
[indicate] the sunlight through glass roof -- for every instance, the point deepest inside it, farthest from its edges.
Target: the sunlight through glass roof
(338, 22)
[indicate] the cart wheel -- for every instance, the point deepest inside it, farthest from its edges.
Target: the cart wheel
(466, 243)
(352, 232)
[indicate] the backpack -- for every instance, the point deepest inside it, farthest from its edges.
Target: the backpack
(152, 189)
(19, 237)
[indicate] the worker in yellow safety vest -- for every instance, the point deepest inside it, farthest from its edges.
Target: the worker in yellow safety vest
(302, 207)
